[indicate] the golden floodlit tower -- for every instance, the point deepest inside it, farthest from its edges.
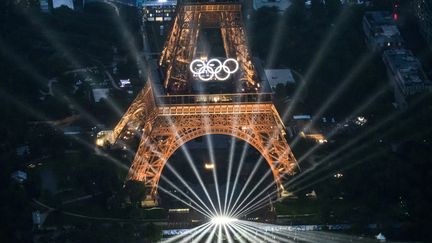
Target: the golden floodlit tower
(193, 90)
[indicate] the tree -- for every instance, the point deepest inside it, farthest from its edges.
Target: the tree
(136, 191)
(280, 91)
(152, 233)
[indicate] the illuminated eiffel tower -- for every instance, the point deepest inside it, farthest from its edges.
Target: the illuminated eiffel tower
(173, 109)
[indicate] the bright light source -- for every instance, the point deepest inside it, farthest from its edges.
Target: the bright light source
(223, 220)
(124, 82)
(209, 166)
(361, 120)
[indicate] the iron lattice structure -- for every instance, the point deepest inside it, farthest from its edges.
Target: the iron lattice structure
(168, 121)
(180, 47)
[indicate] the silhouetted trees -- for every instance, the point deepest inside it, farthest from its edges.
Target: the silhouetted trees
(136, 191)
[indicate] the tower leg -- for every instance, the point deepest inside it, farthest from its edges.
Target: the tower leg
(285, 194)
(149, 201)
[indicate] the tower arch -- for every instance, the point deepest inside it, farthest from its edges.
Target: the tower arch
(169, 111)
(169, 133)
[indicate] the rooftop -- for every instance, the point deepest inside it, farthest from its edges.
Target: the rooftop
(376, 18)
(279, 76)
(406, 66)
(282, 5)
(382, 25)
(100, 93)
(60, 3)
(158, 2)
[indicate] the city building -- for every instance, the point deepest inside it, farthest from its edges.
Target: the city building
(36, 217)
(44, 6)
(131, 3)
(157, 10)
(19, 176)
(63, 3)
(72, 130)
(282, 5)
(100, 93)
(406, 74)
(297, 125)
(423, 9)
(279, 76)
(356, 2)
(381, 31)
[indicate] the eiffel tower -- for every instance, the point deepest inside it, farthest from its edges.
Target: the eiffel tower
(188, 96)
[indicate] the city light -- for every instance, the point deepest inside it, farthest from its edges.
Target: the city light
(361, 120)
(103, 137)
(124, 82)
(209, 166)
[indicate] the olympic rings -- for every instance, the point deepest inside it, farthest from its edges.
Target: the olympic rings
(214, 68)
